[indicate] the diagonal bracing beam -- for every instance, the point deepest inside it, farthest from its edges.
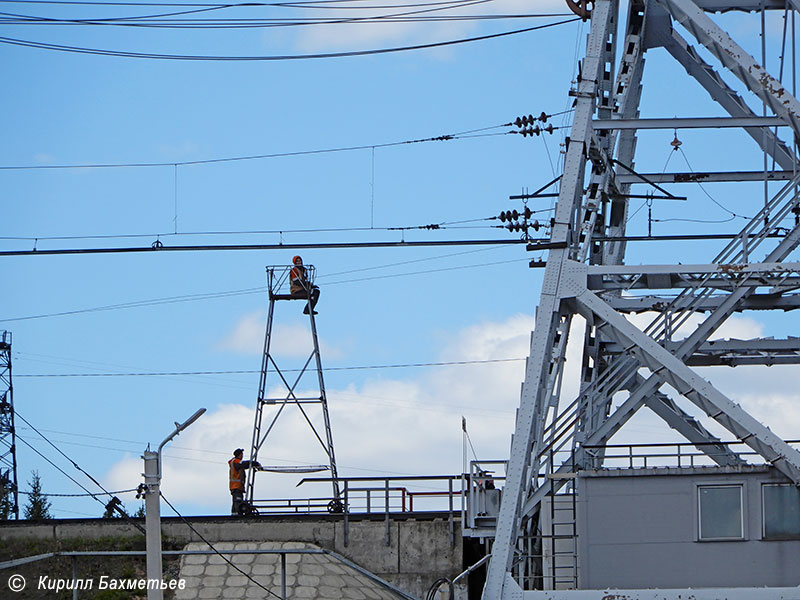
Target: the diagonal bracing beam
(669, 369)
(771, 91)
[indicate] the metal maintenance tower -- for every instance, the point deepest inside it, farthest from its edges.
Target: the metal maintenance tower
(586, 274)
(9, 502)
(277, 403)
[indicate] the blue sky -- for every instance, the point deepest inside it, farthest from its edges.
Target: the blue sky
(379, 306)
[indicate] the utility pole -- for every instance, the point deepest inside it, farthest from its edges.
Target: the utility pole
(152, 506)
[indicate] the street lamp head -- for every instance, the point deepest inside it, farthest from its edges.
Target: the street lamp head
(191, 420)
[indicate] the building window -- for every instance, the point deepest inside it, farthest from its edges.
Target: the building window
(781, 508)
(720, 512)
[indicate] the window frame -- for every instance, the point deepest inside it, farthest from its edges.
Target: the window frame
(764, 537)
(742, 516)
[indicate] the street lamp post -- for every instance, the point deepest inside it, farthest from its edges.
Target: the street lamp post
(152, 507)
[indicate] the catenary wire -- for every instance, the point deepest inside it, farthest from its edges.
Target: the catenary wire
(710, 197)
(226, 294)
(74, 464)
(157, 236)
(282, 57)
(440, 138)
(75, 481)
(52, 495)
(162, 23)
(421, 14)
(254, 371)
(258, 24)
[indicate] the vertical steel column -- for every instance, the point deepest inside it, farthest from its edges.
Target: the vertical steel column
(549, 317)
(283, 575)
(74, 577)
(9, 490)
(324, 400)
(388, 521)
(262, 385)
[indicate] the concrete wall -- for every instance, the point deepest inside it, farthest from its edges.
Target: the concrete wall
(639, 529)
(418, 553)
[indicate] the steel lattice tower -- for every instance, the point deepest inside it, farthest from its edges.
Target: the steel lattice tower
(586, 274)
(8, 453)
(287, 400)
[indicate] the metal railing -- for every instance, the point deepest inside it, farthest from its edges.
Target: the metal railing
(677, 455)
(377, 496)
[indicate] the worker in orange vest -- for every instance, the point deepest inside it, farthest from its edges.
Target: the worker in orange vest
(300, 286)
(237, 467)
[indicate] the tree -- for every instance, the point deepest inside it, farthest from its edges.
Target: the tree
(38, 507)
(6, 502)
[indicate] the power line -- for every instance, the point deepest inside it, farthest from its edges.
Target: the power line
(440, 138)
(32, 238)
(74, 464)
(176, 299)
(294, 4)
(147, 22)
(140, 303)
(75, 481)
(159, 247)
(51, 495)
(210, 545)
(352, 53)
(254, 371)
(158, 20)
(543, 242)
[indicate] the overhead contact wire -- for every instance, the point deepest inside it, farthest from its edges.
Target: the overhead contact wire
(321, 55)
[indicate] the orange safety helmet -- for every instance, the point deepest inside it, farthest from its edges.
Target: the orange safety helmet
(297, 259)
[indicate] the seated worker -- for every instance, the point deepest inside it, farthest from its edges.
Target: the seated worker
(237, 468)
(300, 287)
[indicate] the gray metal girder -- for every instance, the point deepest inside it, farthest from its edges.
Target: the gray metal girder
(704, 177)
(734, 353)
(690, 428)
(771, 91)
(689, 123)
(639, 304)
(742, 5)
(777, 276)
(669, 369)
(726, 97)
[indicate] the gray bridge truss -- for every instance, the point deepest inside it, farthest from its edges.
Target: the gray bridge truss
(586, 274)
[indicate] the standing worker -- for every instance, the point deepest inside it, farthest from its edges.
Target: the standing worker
(237, 468)
(300, 287)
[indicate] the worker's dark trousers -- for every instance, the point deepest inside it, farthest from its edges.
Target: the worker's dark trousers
(238, 498)
(304, 295)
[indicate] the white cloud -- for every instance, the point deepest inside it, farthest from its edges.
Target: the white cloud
(735, 327)
(179, 151)
(43, 158)
(291, 340)
(194, 468)
(403, 425)
(375, 34)
(411, 424)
